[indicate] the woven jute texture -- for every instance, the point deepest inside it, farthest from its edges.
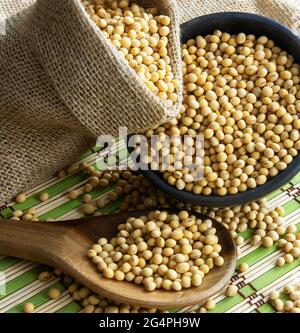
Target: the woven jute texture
(62, 83)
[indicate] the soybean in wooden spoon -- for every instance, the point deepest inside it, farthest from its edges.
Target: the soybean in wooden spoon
(64, 245)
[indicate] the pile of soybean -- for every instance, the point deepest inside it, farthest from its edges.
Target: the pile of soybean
(242, 94)
(141, 37)
(160, 251)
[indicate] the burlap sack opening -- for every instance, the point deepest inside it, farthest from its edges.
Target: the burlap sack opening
(62, 85)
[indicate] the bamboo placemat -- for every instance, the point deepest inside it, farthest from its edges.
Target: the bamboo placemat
(263, 276)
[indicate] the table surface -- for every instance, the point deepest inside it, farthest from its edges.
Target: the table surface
(263, 276)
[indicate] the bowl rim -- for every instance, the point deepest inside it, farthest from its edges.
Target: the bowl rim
(233, 15)
(260, 191)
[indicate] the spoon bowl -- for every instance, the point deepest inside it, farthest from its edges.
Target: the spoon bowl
(64, 245)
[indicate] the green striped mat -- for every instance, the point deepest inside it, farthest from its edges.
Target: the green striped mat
(254, 286)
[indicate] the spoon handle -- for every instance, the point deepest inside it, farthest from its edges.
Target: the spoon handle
(30, 240)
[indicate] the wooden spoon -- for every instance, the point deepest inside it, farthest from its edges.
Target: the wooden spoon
(64, 245)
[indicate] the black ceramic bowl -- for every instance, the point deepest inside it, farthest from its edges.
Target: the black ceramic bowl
(235, 22)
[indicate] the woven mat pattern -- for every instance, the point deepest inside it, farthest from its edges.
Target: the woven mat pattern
(254, 285)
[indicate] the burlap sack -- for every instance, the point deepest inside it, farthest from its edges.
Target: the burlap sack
(62, 84)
